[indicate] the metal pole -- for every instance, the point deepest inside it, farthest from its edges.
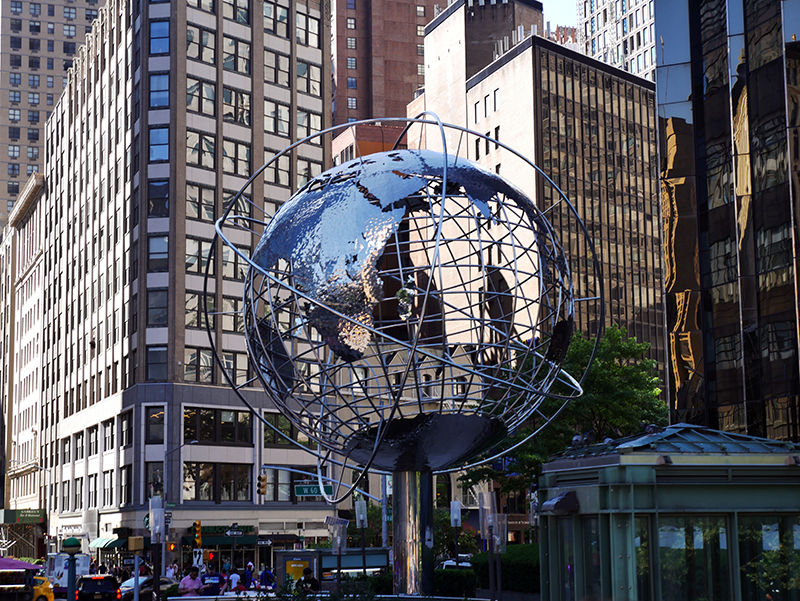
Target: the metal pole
(412, 519)
(455, 536)
(135, 578)
(338, 571)
(363, 554)
(491, 562)
(499, 565)
(384, 513)
(71, 580)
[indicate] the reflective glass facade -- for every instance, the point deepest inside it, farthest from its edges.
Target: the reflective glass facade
(598, 143)
(728, 112)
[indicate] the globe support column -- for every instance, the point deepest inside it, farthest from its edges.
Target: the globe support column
(412, 519)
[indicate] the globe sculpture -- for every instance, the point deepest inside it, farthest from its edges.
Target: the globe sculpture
(407, 311)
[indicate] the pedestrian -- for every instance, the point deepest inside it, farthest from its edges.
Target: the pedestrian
(307, 584)
(191, 585)
(214, 581)
(233, 580)
(267, 577)
(170, 572)
(248, 576)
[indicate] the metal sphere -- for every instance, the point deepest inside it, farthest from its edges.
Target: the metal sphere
(408, 310)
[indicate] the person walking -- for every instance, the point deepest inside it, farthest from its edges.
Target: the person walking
(191, 585)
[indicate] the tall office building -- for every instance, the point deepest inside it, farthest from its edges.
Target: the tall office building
(591, 128)
(377, 56)
(38, 41)
(728, 97)
(620, 33)
(167, 111)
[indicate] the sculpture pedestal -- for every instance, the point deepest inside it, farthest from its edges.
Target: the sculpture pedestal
(412, 519)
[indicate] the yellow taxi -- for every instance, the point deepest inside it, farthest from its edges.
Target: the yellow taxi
(42, 591)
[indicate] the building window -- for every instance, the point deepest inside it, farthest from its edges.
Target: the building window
(159, 144)
(235, 158)
(420, 49)
(33, 135)
(34, 44)
(13, 151)
(14, 114)
(351, 4)
(70, 12)
(420, 11)
(197, 252)
(307, 30)
(92, 485)
(276, 118)
(157, 308)
(197, 311)
(276, 68)
(352, 83)
(126, 429)
(31, 169)
(309, 124)
(236, 367)
(158, 198)
(283, 425)
(232, 318)
(13, 133)
(16, 43)
(200, 149)
(217, 425)
(93, 440)
(108, 435)
(108, 488)
(200, 44)
(351, 62)
(309, 79)
(235, 107)
(154, 425)
(159, 37)
(159, 90)
(15, 79)
(276, 19)
(421, 70)
(198, 366)
(125, 485)
(235, 55)
(278, 171)
(90, 14)
(154, 472)
(352, 103)
(351, 23)
(234, 267)
(13, 169)
(158, 253)
(33, 97)
(206, 5)
(69, 32)
(200, 96)
(232, 482)
(199, 202)
(33, 116)
(16, 8)
(78, 498)
(236, 10)
(351, 43)
(80, 449)
(307, 170)
(421, 30)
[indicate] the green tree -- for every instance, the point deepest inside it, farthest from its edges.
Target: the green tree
(621, 392)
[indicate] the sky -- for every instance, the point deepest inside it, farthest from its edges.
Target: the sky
(559, 12)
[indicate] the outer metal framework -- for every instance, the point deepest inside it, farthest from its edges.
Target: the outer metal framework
(406, 312)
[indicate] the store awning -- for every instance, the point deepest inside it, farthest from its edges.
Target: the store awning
(101, 543)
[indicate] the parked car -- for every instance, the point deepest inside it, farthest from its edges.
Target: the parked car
(145, 587)
(97, 588)
(42, 591)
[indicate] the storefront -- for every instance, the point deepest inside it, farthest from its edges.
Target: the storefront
(686, 514)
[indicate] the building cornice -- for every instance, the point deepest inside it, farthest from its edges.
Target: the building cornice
(27, 198)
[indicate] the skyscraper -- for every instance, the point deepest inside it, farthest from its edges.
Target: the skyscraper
(620, 33)
(728, 76)
(38, 42)
(166, 113)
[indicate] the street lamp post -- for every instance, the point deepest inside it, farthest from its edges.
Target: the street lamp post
(164, 494)
(72, 546)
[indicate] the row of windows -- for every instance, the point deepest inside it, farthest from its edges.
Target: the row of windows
(13, 169)
(198, 366)
(197, 253)
(15, 79)
(16, 114)
(34, 62)
(35, 44)
(14, 133)
(201, 46)
(15, 96)
(14, 150)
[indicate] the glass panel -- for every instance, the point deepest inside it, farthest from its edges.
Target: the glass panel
(227, 426)
(693, 555)
(226, 481)
(189, 482)
(206, 425)
(205, 487)
(189, 424)
(243, 483)
(243, 429)
(591, 554)
(769, 555)
(642, 544)
(284, 485)
(566, 538)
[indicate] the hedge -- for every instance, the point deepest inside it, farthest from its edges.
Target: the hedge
(519, 568)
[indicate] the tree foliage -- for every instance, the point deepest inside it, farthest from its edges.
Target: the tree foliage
(620, 393)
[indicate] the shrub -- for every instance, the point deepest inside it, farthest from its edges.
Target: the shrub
(171, 591)
(519, 567)
(454, 583)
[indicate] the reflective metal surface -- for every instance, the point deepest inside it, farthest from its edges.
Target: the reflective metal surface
(412, 519)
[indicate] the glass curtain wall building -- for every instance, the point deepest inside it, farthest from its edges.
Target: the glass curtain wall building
(728, 98)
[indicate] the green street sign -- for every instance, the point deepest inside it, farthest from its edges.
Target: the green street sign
(311, 490)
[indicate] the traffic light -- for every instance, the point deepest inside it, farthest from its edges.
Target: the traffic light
(171, 547)
(262, 484)
(198, 536)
